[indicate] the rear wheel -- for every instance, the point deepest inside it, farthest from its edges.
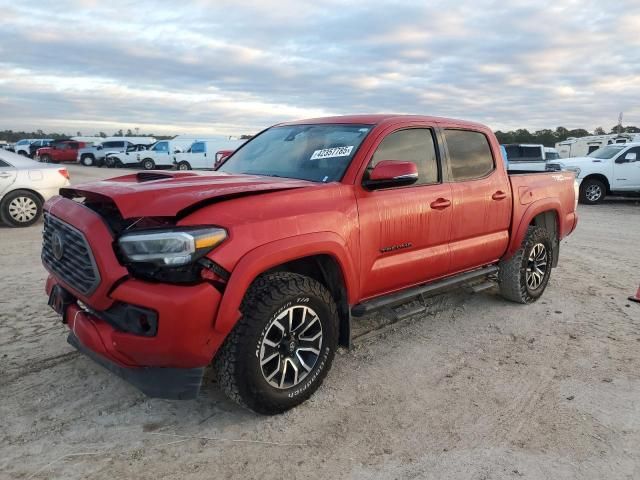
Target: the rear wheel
(148, 164)
(281, 349)
(184, 166)
(21, 208)
(524, 277)
(592, 191)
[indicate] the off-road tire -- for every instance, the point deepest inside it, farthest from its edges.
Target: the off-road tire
(21, 196)
(184, 166)
(592, 185)
(237, 364)
(87, 160)
(512, 276)
(148, 164)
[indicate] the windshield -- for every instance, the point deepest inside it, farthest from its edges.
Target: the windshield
(319, 153)
(606, 152)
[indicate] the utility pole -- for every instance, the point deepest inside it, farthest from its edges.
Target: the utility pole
(620, 123)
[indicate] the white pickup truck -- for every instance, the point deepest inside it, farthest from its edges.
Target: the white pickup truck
(610, 170)
(529, 157)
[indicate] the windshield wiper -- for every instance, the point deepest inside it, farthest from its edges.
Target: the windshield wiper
(264, 174)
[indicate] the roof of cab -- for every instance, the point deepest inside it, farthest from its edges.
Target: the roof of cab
(382, 118)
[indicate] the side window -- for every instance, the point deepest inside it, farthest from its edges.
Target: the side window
(161, 147)
(412, 145)
(635, 150)
(469, 154)
(197, 147)
(4, 164)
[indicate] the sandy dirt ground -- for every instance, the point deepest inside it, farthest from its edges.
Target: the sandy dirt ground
(478, 388)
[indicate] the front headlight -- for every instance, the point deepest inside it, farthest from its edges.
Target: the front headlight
(170, 248)
(574, 169)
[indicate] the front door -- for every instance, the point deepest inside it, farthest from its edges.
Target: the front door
(404, 231)
(626, 170)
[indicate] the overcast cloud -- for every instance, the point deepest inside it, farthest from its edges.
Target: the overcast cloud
(235, 67)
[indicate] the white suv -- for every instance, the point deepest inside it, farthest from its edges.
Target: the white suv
(610, 170)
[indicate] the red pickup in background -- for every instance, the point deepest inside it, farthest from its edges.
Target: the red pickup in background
(59, 151)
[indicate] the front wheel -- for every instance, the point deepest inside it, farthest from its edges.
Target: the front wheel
(592, 191)
(87, 160)
(281, 349)
(45, 159)
(148, 164)
(524, 277)
(184, 166)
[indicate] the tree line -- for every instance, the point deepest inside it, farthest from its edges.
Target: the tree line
(548, 137)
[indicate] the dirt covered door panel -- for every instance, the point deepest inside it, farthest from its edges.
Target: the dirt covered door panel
(404, 230)
(481, 199)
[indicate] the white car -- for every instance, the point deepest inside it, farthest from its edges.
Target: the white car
(24, 187)
(610, 170)
(202, 154)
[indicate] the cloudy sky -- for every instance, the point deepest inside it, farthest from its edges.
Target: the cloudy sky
(234, 67)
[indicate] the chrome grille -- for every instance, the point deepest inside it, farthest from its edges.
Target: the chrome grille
(76, 266)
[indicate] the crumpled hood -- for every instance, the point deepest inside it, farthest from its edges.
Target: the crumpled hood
(166, 194)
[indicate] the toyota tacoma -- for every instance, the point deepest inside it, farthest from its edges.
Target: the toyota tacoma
(259, 268)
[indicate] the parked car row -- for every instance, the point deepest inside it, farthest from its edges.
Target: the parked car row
(182, 152)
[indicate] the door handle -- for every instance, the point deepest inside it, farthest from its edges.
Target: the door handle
(5, 175)
(440, 203)
(499, 195)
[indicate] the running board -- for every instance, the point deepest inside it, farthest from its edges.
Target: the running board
(425, 290)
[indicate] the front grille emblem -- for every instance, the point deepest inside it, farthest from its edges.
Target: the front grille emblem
(57, 245)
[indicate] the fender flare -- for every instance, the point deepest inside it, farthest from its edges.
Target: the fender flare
(272, 254)
(532, 211)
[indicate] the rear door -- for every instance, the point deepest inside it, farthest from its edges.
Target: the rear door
(404, 231)
(481, 199)
(7, 176)
(626, 170)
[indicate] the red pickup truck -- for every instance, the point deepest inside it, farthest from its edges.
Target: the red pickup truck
(59, 151)
(260, 267)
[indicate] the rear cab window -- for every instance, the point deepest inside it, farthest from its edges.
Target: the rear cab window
(470, 155)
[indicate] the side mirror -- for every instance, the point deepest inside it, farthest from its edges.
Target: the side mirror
(392, 173)
(177, 150)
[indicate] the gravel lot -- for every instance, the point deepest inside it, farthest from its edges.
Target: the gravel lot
(479, 388)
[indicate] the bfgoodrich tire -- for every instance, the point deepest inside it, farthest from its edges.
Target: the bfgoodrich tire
(524, 277)
(282, 348)
(592, 191)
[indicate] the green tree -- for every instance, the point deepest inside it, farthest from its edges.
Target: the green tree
(599, 131)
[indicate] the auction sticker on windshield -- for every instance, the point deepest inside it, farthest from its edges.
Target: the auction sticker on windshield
(332, 152)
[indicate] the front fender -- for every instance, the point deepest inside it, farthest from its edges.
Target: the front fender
(276, 253)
